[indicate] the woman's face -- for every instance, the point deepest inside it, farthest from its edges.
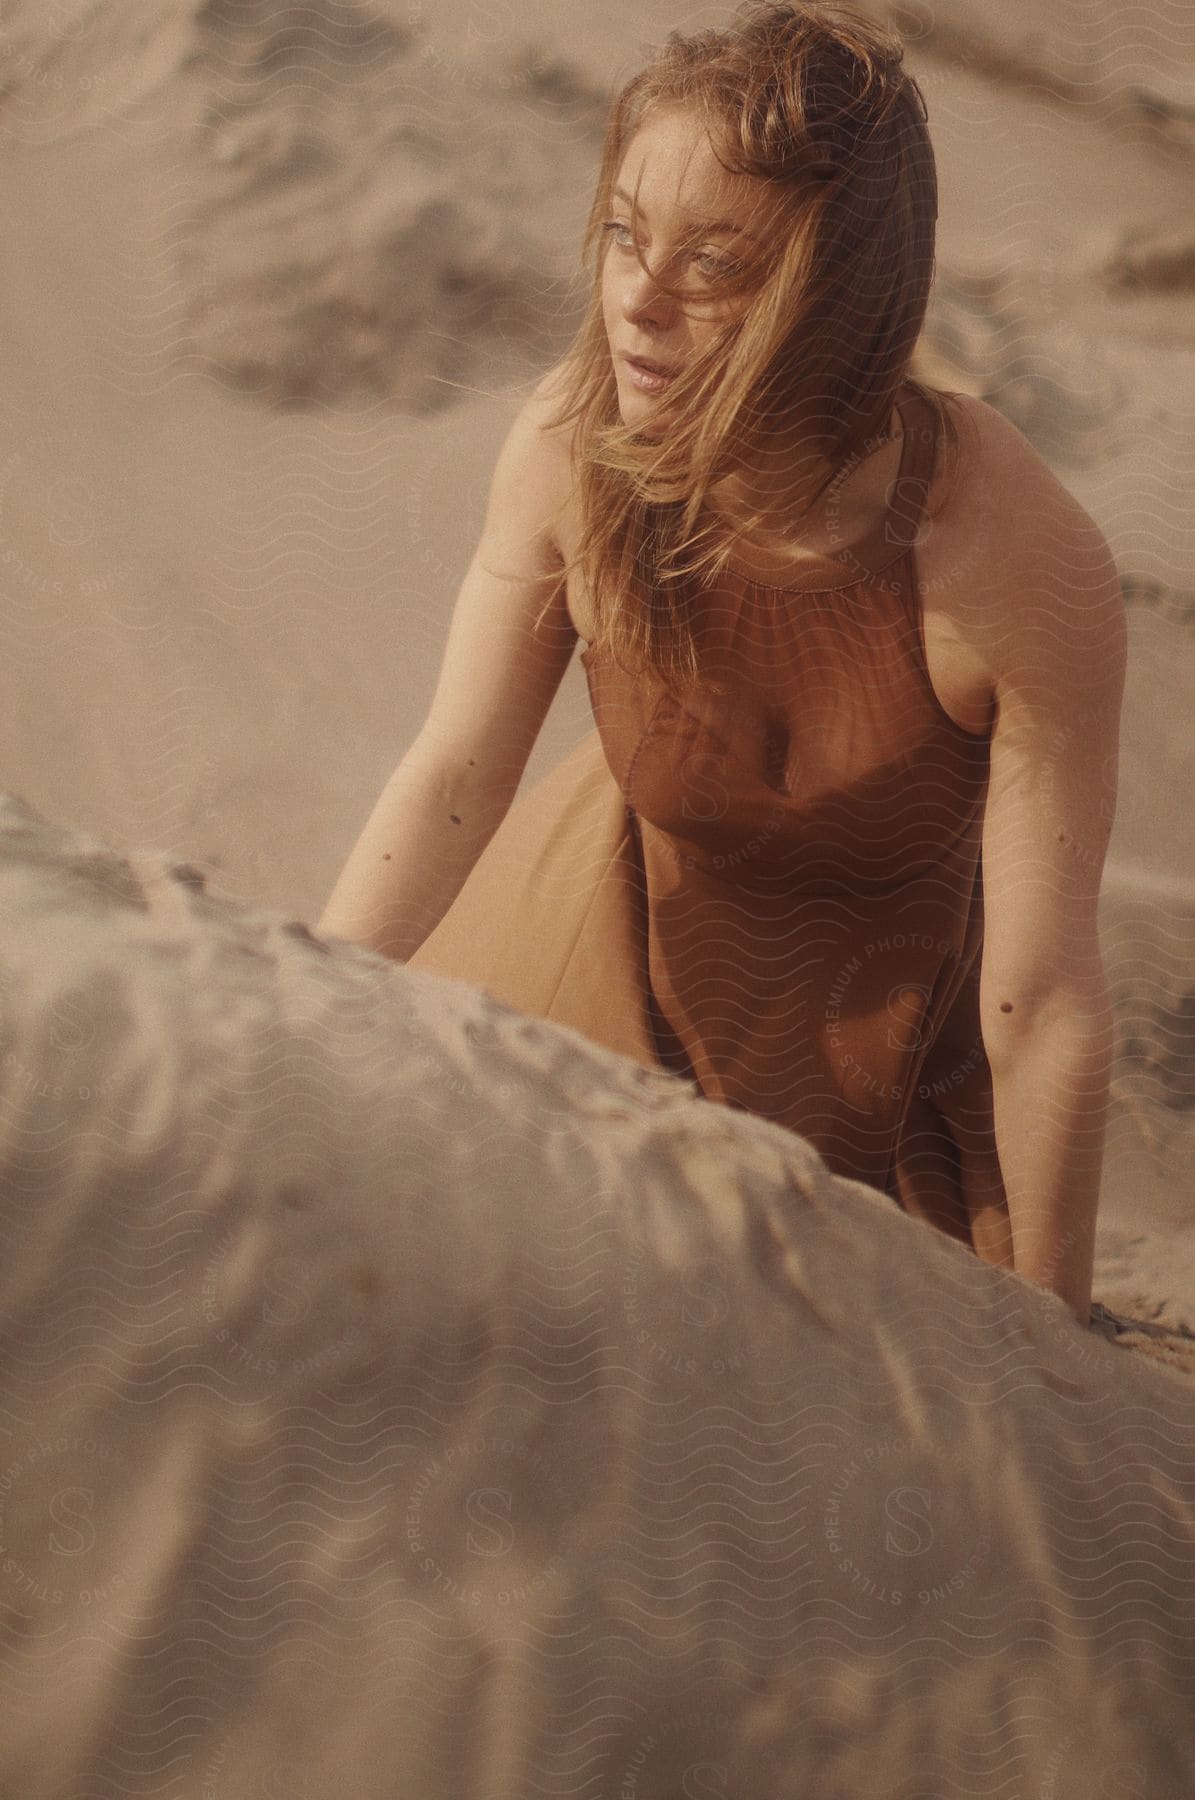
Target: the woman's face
(694, 219)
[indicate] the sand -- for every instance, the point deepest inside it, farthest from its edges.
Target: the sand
(277, 277)
(403, 1395)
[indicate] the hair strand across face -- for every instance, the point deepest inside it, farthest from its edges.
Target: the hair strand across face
(814, 104)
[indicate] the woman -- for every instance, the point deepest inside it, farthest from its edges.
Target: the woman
(846, 637)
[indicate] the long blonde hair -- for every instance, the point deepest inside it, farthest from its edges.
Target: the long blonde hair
(812, 99)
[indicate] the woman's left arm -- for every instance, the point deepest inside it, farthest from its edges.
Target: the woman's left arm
(1058, 661)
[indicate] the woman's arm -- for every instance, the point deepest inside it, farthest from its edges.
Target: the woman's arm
(1058, 652)
(412, 858)
(455, 784)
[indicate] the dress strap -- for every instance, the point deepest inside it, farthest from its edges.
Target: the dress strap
(897, 529)
(910, 491)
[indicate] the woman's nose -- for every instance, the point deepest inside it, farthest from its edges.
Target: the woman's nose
(641, 296)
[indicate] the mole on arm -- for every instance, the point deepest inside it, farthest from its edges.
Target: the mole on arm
(1006, 1006)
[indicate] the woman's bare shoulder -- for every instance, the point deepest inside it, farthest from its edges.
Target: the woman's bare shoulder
(555, 440)
(996, 460)
(1011, 528)
(996, 483)
(546, 401)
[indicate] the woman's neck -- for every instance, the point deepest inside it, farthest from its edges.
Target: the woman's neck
(784, 541)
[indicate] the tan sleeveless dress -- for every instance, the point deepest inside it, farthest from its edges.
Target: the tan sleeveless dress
(774, 890)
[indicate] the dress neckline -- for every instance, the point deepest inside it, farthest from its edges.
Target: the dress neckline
(859, 556)
(916, 463)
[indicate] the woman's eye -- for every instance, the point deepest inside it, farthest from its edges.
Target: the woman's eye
(717, 265)
(710, 264)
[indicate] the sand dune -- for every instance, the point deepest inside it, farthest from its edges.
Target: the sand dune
(349, 238)
(404, 1395)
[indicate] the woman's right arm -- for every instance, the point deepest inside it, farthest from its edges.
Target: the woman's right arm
(454, 786)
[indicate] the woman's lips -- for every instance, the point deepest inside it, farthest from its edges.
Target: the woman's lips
(646, 380)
